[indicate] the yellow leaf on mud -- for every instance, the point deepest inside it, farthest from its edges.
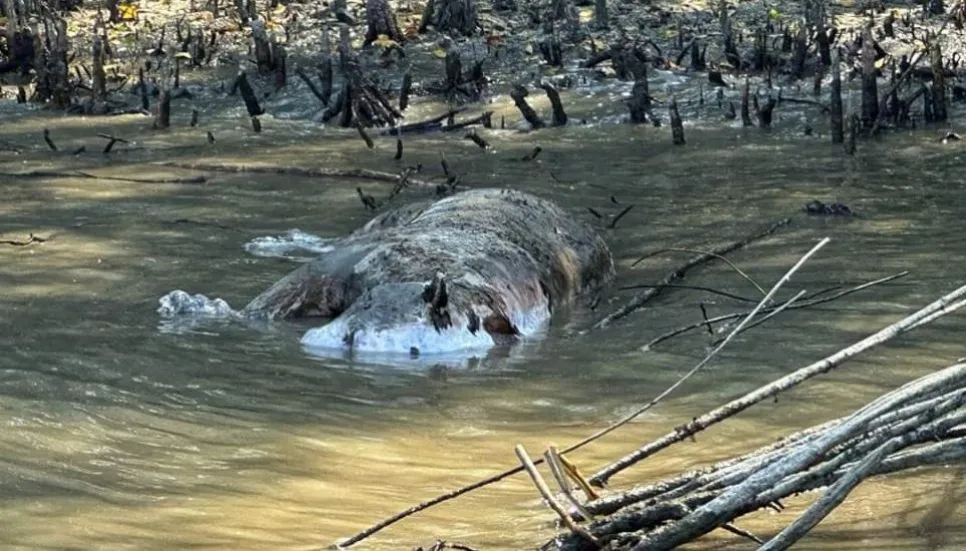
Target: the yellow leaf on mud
(383, 41)
(439, 52)
(585, 14)
(279, 10)
(128, 11)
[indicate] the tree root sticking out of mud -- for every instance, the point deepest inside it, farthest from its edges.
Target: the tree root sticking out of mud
(318, 172)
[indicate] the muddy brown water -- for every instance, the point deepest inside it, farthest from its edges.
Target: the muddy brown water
(118, 435)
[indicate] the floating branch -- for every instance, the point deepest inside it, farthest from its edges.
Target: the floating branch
(320, 172)
(78, 174)
(639, 300)
(26, 242)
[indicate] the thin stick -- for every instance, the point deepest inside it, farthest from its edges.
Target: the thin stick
(552, 458)
(720, 257)
(803, 304)
(691, 287)
(773, 389)
(676, 274)
(574, 473)
(774, 312)
(548, 497)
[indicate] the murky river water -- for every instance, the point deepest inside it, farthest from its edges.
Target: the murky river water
(117, 435)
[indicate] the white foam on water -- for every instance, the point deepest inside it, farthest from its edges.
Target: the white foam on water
(179, 303)
(405, 336)
(292, 241)
(401, 338)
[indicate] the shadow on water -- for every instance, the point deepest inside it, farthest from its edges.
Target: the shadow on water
(118, 435)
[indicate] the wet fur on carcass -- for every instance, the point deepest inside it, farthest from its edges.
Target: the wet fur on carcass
(488, 262)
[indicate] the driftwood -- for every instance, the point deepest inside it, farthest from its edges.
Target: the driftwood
(33, 174)
(838, 454)
(319, 172)
(942, 306)
(31, 239)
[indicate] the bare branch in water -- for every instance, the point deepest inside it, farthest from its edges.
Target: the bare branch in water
(320, 172)
(638, 301)
(808, 301)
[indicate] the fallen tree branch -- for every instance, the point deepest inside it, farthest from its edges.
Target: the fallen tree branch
(547, 495)
(925, 413)
(26, 242)
(639, 300)
(736, 406)
(79, 174)
(691, 287)
(319, 172)
(742, 497)
(808, 301)
(720, 257)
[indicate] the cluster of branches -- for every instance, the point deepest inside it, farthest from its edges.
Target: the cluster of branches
(921, 423)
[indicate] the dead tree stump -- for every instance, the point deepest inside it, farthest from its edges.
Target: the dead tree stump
(835, 107)
(640, 102)
(162, 119)
(870, 94)
(745, 108)
(53, 79)
(98, 76)
(458, 17)
(262, 44)
(677, 125)
(559, 115)
(938, 91)
(380, 20)
(601, 19)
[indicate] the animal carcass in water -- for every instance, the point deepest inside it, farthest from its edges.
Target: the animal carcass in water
(464, 272)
